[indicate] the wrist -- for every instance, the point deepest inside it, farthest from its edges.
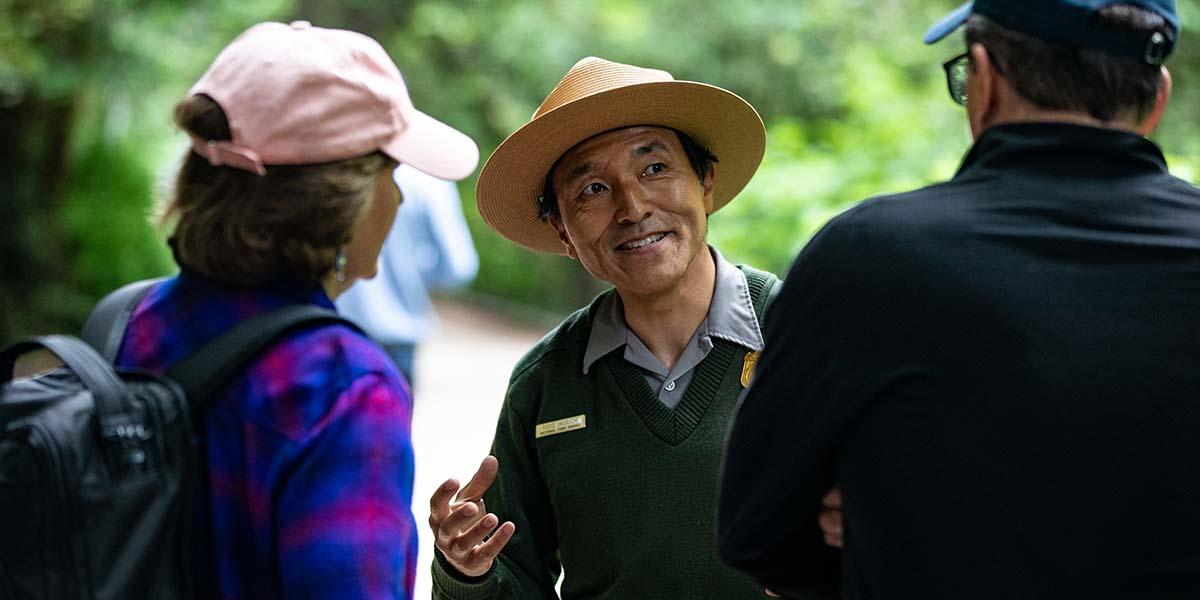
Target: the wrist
(452, 584)
(459, 573)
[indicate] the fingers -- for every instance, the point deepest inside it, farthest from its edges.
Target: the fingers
(473, 534)
(830, 518)
(833, 500)
(490, 549)
(464, 516)
(771, 594)
(483, 479)
(460, 522)
(439, 503)
(466, 549)
(472, 538)
(831, 527)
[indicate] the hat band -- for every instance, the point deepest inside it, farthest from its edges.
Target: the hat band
(224, 153)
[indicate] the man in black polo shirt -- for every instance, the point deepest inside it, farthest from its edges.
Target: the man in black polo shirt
(1002, 371)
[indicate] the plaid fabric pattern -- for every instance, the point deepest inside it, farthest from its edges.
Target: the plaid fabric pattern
(309, 457)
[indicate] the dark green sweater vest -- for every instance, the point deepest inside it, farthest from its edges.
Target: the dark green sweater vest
(625, 504)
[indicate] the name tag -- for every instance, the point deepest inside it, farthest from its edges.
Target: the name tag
(560, 426)
(748, 366)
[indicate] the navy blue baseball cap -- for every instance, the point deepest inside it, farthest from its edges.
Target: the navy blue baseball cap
(1069, 22)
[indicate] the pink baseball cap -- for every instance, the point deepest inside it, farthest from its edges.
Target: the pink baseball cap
(298, 94)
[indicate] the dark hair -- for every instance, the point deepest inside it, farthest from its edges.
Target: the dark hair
(700, 157)
(1057, 77)
(241, 228)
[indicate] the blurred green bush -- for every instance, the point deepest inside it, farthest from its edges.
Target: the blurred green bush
(855, 106)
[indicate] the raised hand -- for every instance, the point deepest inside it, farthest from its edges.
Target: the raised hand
(461, 526)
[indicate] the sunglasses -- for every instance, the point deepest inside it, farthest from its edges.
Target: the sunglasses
(956, 75)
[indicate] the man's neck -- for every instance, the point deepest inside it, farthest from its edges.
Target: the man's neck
(1025, 112)
(666, 321)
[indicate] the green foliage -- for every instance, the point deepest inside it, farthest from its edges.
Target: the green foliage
(854, 104)
(105, 214)
(843, 115)
(86, 89)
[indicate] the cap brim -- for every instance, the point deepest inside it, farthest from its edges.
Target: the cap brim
(433, 147)
(949, 23)
(513, 177)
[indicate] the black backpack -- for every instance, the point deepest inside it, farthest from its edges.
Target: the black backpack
(99, 466)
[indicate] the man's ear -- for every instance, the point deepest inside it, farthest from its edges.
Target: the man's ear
(564, 238)
(707, 182)
(982, 89)
(1150, 122)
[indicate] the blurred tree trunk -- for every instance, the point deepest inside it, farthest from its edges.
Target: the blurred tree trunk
(36, 120)
(36, 136)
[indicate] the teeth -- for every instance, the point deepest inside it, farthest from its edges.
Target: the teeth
(646, 241)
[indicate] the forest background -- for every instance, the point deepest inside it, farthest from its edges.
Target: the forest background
(854, 105)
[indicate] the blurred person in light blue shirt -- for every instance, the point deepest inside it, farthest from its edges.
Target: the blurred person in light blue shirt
(429, 248)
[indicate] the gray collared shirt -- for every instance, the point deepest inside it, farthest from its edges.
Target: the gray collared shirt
(730, 317)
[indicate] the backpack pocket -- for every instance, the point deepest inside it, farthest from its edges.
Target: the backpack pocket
(36, 560)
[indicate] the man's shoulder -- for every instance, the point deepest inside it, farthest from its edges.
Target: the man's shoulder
(754, 274)
(892, 218)
(568, 338)
(913, 206)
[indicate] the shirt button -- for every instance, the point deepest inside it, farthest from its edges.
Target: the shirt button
(670, 387)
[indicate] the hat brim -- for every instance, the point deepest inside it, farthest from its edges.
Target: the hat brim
(433, 147)
(513, 177)
(949, 23)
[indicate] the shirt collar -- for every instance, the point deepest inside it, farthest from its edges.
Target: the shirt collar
(730, 316)
(277, 292)
(1061, 148)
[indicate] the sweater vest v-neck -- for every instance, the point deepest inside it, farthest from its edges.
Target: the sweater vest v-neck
(674, 425)
(623, 498)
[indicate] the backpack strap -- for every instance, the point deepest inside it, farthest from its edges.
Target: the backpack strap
(203, 372)
(105, 326)
(97, 375)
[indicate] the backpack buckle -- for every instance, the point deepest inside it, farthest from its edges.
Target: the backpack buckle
(130, 436)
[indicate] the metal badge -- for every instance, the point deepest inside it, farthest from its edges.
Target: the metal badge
(748, 366)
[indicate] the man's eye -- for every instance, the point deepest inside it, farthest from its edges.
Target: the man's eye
(592, 189)
(654, 168)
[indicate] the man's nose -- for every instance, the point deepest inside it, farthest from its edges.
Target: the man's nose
(633, 206)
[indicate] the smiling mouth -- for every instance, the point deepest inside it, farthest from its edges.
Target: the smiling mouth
(642, 242)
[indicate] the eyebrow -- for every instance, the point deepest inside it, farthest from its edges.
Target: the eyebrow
(579, 171)
(650, 147)
(586, 167)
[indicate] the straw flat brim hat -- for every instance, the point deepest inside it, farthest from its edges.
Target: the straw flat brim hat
(597, 96)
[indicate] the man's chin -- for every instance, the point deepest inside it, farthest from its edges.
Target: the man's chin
(649, 281)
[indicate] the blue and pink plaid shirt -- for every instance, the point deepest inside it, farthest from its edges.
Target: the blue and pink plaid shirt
(309, 457)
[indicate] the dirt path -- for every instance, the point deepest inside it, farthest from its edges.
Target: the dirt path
(461, 375)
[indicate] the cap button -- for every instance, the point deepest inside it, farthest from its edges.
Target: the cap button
(301, 25)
